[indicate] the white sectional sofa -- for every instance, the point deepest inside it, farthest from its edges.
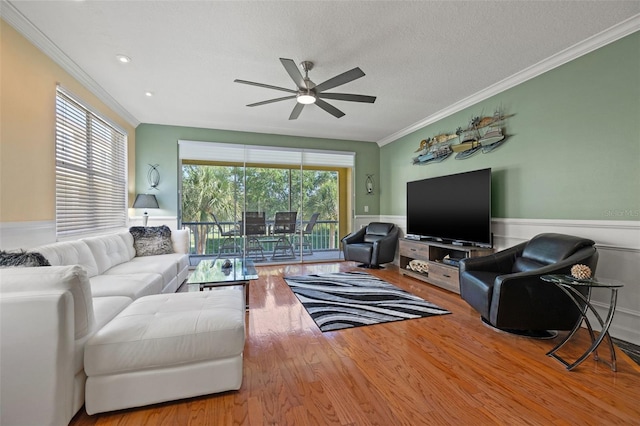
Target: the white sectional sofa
(47, 314)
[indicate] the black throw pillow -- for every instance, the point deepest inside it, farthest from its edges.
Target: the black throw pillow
(151, 240)
(22, 258)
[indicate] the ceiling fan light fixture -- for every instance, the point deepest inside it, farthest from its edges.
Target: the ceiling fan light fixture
(307, 92)
(306, 98)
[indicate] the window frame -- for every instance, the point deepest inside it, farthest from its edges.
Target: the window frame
(90, 171)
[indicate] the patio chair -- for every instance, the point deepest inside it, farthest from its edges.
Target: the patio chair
(229, 244)
(304, 234)
(285, 224)
(254, 225)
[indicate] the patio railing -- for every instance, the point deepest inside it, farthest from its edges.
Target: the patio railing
(206, 238)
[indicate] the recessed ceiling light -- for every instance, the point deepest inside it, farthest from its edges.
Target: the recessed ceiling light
(123, 58)
(149, 94)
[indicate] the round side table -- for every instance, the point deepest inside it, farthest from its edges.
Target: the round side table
(575, 289)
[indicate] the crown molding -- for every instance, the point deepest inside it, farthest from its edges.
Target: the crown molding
(20, 23)
(618, 31)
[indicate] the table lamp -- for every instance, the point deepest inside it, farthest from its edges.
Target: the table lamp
(145, 201)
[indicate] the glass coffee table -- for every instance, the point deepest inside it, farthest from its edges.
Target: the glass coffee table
(210, 274)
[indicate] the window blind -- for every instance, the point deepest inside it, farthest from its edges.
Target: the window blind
(91, 170)
(237, 153)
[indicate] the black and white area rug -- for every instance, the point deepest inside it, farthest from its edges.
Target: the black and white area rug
(353, 299)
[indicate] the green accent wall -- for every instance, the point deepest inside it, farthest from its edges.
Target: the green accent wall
(158, 144)
(573, 150)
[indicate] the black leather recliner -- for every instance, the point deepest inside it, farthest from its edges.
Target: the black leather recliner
(506, 288)
(372, 245)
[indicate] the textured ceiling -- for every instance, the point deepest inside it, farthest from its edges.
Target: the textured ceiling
(419, 57)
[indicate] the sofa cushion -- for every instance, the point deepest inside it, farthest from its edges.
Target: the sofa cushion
(70, 278)
(130, 285)
(164, 265)
(22, 258)
(108, 251)
(151, 240)
(105, 309)
(168, 330)
(71, 253)
(149, 264)
(128, 242)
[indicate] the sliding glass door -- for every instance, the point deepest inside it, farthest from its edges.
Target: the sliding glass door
(269, 204)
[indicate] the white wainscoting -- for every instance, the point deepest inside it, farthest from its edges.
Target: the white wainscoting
(170, 221)
(618, 244)
(27, 235)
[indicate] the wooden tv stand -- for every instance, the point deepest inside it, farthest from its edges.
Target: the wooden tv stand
(439, 274)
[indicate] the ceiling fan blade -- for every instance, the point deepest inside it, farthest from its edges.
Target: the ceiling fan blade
(270, 101)
(266, 86)
(329, 108)
(340, 79)
(296, 111)
(348, 97)
(294, 72)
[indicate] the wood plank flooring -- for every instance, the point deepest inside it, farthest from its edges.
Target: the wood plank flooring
(448, 370)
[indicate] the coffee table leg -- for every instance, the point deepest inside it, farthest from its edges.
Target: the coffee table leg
(245, 286)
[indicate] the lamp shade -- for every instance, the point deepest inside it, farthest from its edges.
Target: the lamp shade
(145, 201)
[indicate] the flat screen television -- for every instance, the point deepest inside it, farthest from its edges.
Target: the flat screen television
(453, 208)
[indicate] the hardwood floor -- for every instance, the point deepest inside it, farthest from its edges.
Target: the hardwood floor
(447, 369)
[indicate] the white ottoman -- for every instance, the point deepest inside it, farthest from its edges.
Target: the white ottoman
(166, 347)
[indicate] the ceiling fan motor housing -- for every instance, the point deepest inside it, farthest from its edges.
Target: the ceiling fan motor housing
(306, 66)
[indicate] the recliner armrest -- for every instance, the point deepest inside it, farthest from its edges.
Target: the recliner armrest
(384, 250)
(498, 262)
(355, 237)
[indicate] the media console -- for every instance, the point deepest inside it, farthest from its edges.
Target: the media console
(440, 258)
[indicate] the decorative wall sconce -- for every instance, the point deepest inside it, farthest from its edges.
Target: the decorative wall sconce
(153, 176)
(369, 184)
(145, 201)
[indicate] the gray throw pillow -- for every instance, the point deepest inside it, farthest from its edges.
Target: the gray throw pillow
(22, 258)
(151, 240)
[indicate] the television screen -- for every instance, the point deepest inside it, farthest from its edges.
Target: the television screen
(453, 208)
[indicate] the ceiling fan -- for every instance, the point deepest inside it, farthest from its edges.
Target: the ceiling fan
(307, 92)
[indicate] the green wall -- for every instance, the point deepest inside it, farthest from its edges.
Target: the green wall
(573, 150)
(158, 144)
